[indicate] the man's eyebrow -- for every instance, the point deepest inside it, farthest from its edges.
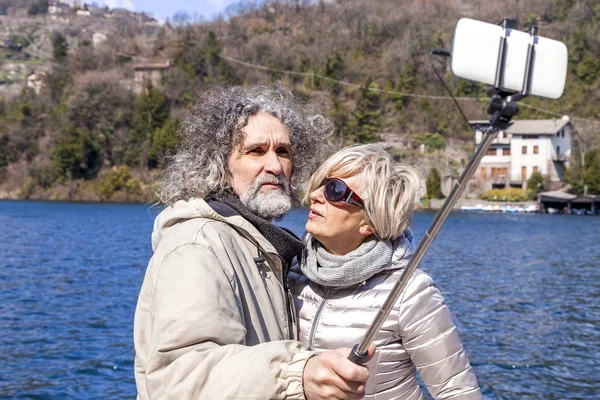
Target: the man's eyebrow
(248, 145)
(259, 143)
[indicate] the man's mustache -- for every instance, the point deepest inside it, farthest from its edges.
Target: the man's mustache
(275, 179)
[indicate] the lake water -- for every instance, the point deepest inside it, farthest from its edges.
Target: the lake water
(524, 289)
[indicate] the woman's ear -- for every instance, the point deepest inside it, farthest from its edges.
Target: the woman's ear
(366, 229)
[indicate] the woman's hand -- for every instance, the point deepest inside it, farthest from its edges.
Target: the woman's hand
(330, 375)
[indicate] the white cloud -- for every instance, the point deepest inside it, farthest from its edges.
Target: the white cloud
(128, 4)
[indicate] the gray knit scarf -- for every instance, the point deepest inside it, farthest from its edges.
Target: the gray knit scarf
(327, 269)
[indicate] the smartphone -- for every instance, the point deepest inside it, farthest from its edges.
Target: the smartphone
(475, 54)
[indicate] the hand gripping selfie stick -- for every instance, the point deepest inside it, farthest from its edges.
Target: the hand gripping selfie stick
(502, 108)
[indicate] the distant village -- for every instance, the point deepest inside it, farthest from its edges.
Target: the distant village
(527, 148)
(14, 75)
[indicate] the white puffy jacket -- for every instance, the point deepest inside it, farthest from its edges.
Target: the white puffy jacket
(419, 334)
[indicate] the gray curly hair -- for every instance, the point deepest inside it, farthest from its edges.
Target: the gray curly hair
(213, 128)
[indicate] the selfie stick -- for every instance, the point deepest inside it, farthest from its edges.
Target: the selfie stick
(502, 107)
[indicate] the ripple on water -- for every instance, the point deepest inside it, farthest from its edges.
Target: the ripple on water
(524, 291)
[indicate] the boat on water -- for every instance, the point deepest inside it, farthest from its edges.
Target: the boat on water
(532, 208)
(573, 211)
(501, 209)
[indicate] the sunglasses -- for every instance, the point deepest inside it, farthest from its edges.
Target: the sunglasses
(336, 190)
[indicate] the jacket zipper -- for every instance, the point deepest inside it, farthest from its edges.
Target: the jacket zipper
(288, 307)
(288, 295)
(313, 328)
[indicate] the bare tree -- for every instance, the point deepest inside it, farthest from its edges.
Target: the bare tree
(587, 136)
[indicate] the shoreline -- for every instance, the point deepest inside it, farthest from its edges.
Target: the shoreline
(436, 204)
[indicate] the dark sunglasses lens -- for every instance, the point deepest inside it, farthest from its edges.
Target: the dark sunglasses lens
(334, 190)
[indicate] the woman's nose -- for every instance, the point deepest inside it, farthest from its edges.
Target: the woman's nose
(317, 195)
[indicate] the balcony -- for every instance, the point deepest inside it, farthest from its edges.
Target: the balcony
(502, 138)
(498, 140)
(499, 180)
(560, 158)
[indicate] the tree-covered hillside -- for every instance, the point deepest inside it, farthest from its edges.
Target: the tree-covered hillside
(89, 130)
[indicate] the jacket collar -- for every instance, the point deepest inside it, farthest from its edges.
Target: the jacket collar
(287, 245)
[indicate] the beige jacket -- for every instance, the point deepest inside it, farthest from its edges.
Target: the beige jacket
(211, 321)
(419, 334)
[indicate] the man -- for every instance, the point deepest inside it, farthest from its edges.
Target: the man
(214, 318)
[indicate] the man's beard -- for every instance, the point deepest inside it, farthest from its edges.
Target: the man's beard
(272, 203)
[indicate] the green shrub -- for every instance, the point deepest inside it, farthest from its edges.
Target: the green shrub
(507, 194)
(116, 180)
(537, 184)
(432, 141)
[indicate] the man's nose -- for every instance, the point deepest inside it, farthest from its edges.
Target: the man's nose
(273, 164)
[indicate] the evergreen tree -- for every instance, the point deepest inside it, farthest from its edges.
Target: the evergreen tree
(165, 140)
(3, 152)
(60, 48)
(152, 108)
(77, 155)
(588, 174)
(33, 9)
(591, 172)
(434, 184)
(365, 118)
(152, 111)
(56, 81)
(406, 84)
(42, 6)
(334, 68)
(218, 69)
(340, 117)
(188, 55)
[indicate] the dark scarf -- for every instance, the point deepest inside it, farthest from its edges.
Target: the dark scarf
(285, 242)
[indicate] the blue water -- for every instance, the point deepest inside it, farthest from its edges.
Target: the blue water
(524, 289)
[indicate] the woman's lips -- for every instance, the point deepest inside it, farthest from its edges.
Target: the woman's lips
(314, 213)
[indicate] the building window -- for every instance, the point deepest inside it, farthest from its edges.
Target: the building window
(506, 152)
(535, 170)
(557, 151)
(523, 173)
(524, 150)
(536, 149)
(483, 174)
(499, 172)
(491, 152)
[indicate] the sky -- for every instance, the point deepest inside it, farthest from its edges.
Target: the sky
(163, 9)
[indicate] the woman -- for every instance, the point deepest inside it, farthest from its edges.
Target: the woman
(357, 245)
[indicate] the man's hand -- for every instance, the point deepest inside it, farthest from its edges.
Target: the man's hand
(330, 375)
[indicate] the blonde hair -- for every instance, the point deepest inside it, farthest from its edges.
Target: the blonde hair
(390, 189)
